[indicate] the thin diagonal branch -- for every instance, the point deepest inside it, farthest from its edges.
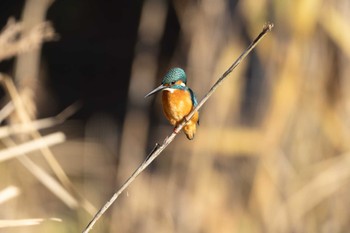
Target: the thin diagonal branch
(160, 147)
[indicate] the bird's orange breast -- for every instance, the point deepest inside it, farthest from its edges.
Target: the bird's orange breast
(176, 105)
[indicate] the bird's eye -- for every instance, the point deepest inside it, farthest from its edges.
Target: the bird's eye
(172, 83)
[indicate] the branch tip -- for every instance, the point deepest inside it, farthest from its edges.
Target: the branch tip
(268, 26)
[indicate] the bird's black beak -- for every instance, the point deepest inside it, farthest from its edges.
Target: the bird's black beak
(158, 89)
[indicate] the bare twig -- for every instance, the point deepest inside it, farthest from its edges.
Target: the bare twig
(6, 111)
(8, 193)
(160, 147)
(22, 128)
(49, 182)
(21, 110)
(11, 44)
(24, 117)
(45, 178)
(35, 144)
(27, 65)
(25, 222)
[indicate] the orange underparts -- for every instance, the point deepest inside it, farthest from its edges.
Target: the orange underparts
(177, 104)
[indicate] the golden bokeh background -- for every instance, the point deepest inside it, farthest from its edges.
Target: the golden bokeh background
(271, 153)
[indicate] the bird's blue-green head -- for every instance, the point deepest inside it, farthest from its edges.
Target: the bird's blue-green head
(174, 75)
(174, 79)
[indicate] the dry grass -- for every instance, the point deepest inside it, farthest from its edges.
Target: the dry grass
(283, 166)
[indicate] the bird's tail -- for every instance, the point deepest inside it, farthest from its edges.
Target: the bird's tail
(190, 130)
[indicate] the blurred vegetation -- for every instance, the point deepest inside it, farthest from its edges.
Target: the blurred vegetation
(271, 153)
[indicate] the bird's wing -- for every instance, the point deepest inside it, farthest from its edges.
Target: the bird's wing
(194, 100)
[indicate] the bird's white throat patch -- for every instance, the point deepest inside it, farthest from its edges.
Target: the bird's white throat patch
(169, 89)
(173, 89)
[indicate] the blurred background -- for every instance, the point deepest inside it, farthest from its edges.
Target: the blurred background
(271, 153)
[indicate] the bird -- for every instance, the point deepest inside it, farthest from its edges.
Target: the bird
(178, 100)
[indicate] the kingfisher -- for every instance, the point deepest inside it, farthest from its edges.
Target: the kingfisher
(178, 100)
